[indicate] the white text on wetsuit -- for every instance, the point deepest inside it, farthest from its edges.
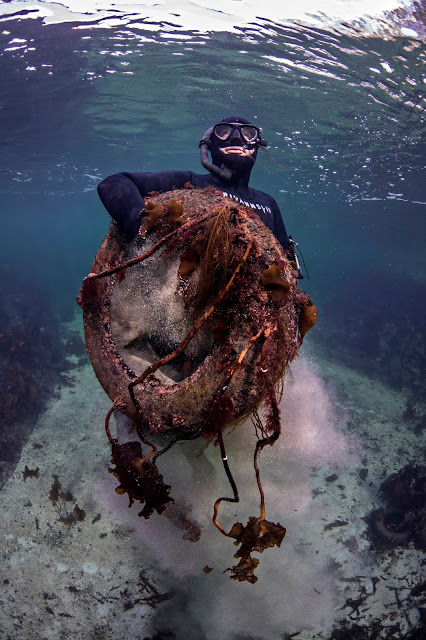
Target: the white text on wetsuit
(248, 204)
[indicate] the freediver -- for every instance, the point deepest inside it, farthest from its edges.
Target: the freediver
(233, 144)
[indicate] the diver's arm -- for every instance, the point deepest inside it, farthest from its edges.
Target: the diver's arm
(123, 194)
(279, 229)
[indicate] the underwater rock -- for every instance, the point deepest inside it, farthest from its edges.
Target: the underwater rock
(377, 325)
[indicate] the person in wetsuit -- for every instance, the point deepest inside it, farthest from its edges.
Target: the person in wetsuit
(233, 144)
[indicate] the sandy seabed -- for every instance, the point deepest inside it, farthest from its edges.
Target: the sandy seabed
(115, 576)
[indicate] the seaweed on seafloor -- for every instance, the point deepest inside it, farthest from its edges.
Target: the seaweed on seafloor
(58, 497)
(34, 350)
(30, 473)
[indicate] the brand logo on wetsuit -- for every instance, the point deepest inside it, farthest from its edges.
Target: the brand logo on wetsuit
(253, 205)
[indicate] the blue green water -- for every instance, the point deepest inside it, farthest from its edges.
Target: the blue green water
(344, 116)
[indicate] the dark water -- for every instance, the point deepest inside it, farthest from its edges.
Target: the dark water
(344, 116)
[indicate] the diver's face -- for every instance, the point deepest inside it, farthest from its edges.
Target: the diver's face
(234, 145)
(236, 139)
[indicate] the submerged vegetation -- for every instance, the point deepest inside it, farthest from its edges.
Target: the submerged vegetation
(34, 350)
(376, 324)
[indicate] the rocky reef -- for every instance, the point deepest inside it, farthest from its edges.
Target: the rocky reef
(376, 323)
(34, 350)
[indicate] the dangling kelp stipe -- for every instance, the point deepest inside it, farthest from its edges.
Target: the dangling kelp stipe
(189, 328)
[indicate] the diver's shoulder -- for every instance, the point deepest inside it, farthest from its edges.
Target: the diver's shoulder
(264, 196)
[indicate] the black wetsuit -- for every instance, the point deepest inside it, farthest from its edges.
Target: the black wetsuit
(124, 194)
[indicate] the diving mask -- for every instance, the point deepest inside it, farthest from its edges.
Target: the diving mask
(248, 132)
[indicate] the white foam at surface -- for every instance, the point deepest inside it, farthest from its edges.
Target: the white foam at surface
(208, 15)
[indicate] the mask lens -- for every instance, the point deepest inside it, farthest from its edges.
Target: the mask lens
(250, 134)
(223, 131)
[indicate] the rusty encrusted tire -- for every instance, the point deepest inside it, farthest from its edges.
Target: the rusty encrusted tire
(249, 308)
(389, 526)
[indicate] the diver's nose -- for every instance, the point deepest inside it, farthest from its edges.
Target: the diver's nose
(236, 138)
